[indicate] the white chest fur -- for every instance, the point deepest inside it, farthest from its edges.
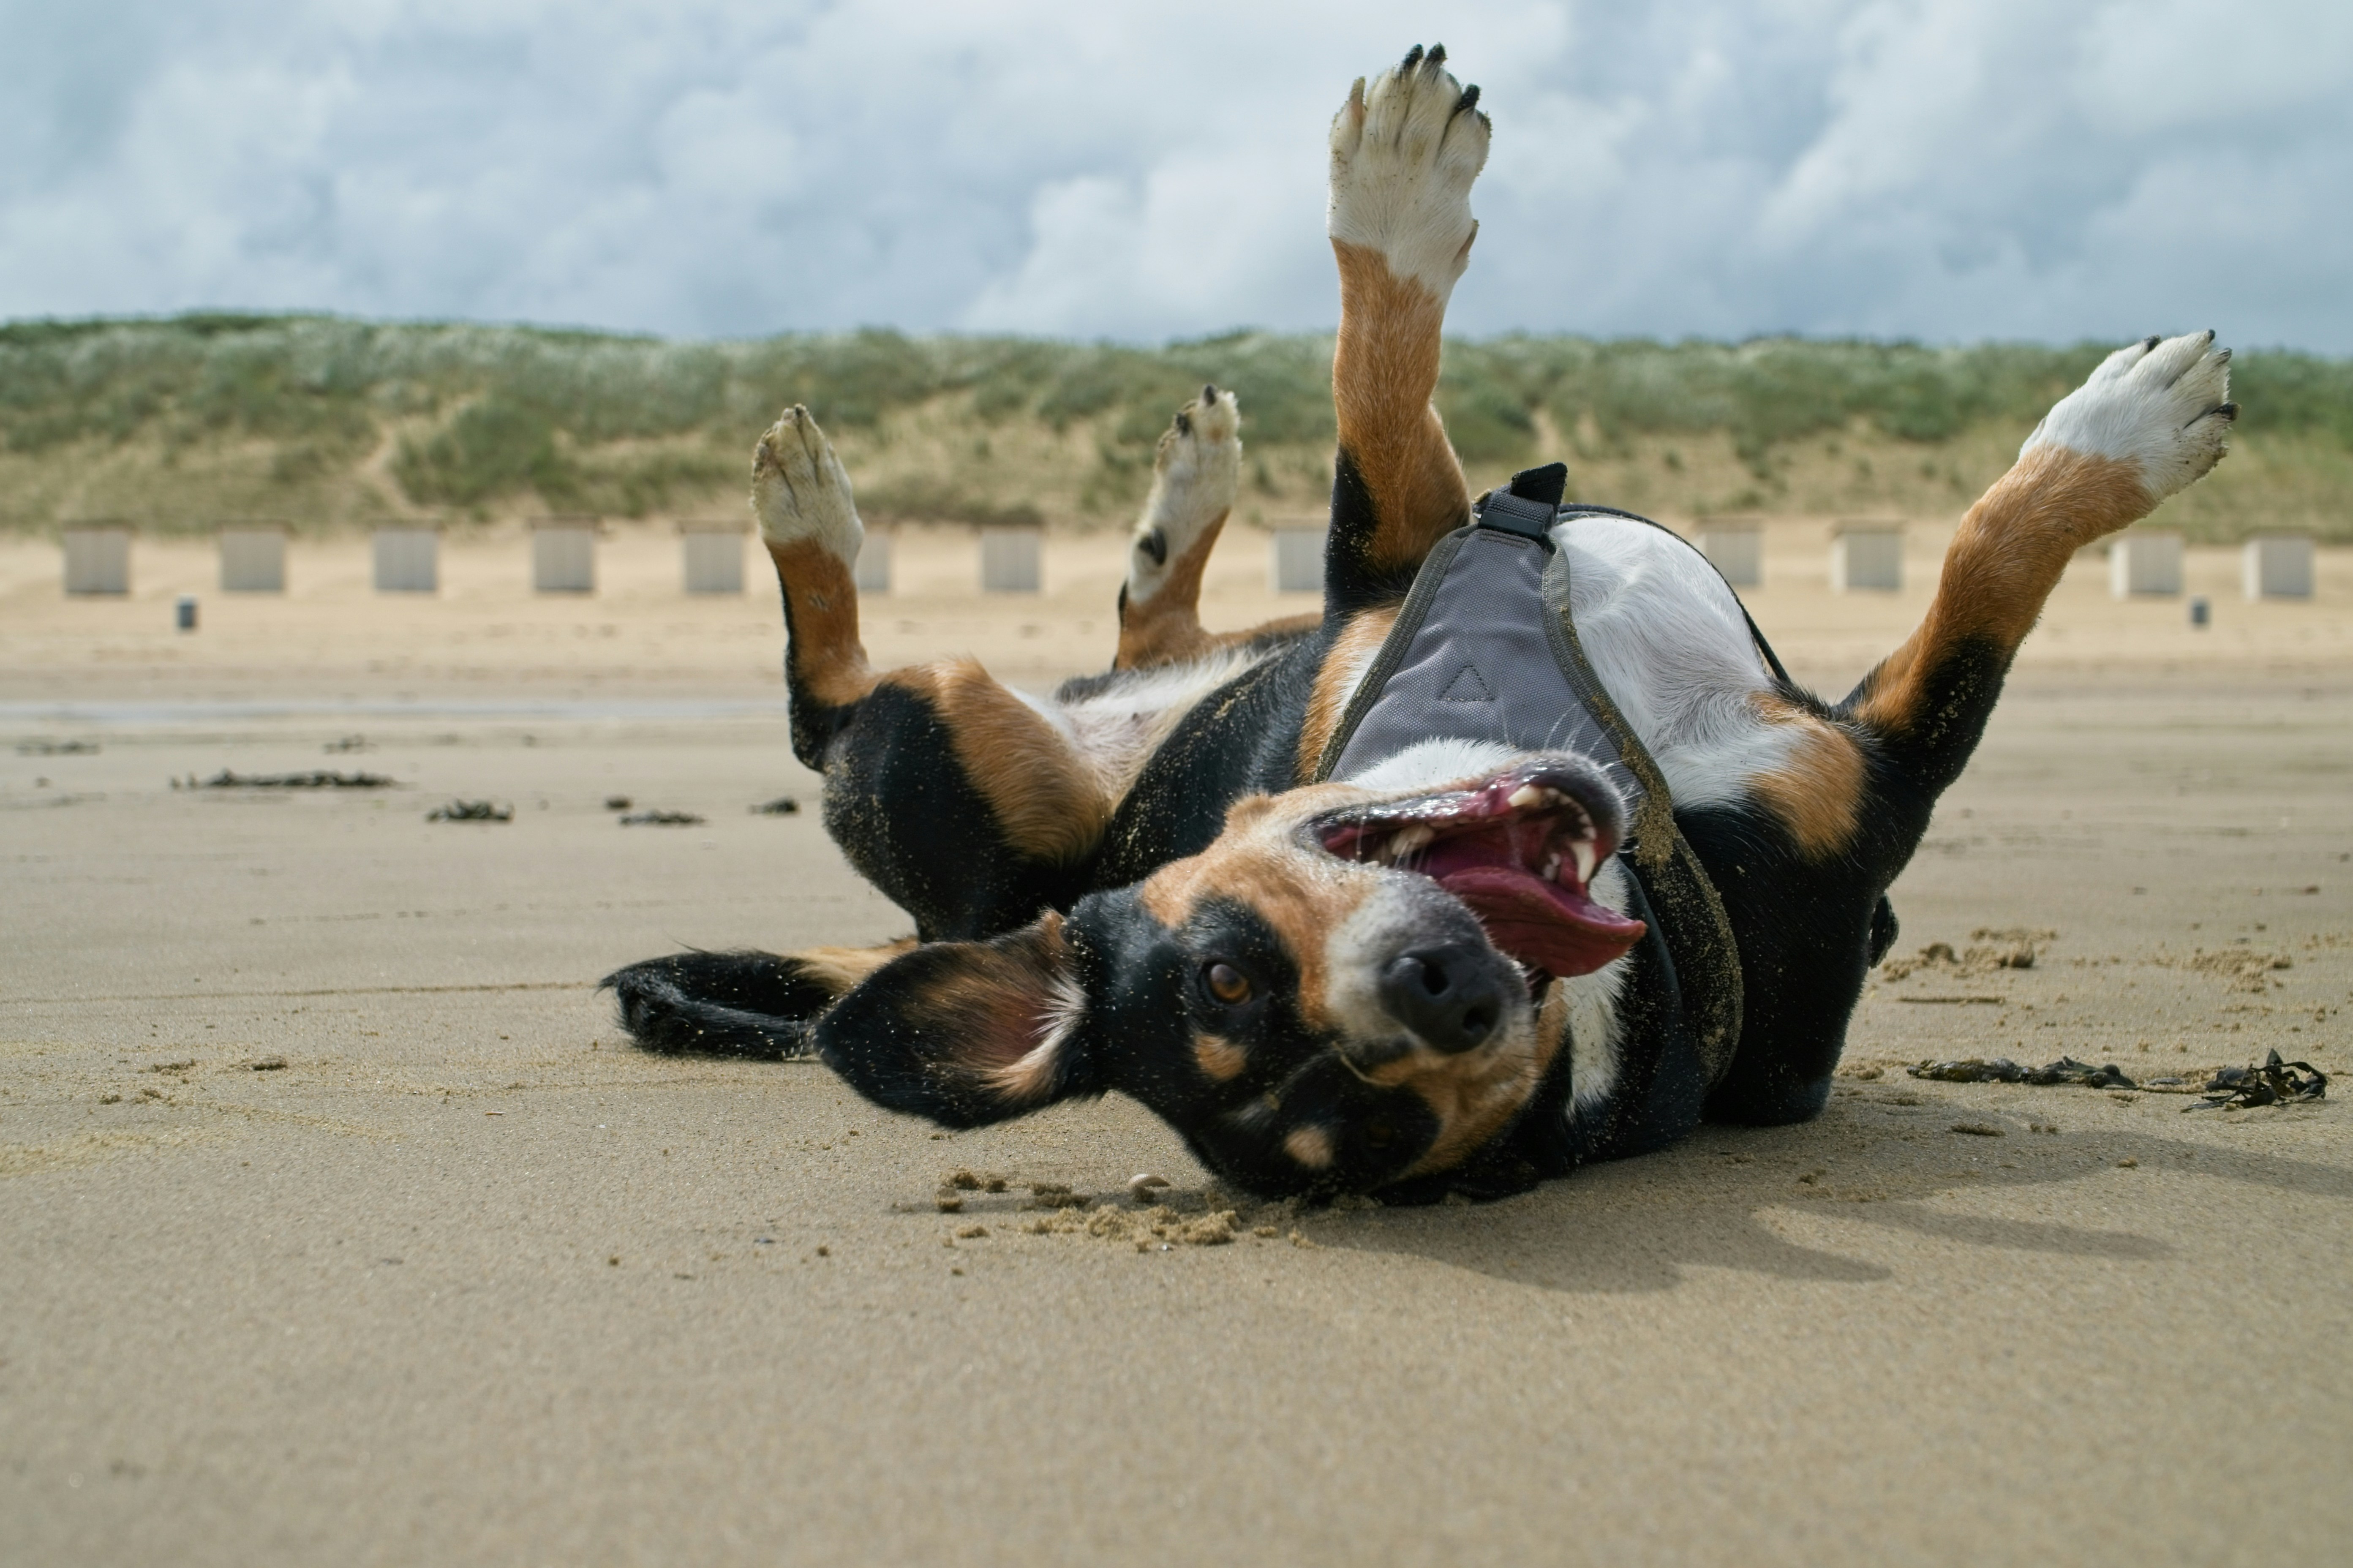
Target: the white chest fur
(1666, 637)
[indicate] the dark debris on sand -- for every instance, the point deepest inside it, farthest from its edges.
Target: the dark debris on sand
(660, 819)
(2269, 1082)
(470, 811)
(2066, 1070)
(321, 778)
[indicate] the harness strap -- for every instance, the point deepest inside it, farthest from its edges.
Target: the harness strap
(1477, 592)
(1692, 918)
(1517, 515)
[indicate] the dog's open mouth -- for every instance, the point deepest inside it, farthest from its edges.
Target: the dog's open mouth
(1519, 850)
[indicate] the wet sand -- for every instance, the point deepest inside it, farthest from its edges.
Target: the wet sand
(463, 1279)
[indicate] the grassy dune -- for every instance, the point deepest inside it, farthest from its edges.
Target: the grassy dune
(324, 423)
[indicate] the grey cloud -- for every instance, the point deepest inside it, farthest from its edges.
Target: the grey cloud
(1948, 169)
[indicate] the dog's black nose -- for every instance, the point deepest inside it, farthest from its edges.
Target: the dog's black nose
(1452, 996)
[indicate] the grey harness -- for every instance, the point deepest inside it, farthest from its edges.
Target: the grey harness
(1485, 649)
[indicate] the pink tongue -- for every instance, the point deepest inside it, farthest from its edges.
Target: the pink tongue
(1541, 923)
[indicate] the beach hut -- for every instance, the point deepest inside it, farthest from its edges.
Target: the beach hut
(712, 555)
(564, 556)
(1010, 556)
(407, 560)
(1735, 546)
(2276, 566)
(2142, 562)
(97, 557)
(1296, 565)
(1867, 557)
(253, 558)
(873, 573)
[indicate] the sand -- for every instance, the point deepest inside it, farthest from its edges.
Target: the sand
(466, 1281)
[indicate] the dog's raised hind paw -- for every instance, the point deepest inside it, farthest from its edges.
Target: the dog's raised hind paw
(1194, 477)
(1405, 151)
(799, 491)
(2161, 405)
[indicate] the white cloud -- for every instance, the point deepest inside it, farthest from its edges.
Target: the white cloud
(1949, 169)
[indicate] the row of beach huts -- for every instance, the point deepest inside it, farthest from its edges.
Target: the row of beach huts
(1864, 557)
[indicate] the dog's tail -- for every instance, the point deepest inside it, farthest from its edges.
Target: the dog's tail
(758, 1006)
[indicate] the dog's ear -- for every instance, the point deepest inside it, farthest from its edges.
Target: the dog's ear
(967, 1033)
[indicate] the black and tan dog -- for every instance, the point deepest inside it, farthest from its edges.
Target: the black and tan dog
(1465, 968)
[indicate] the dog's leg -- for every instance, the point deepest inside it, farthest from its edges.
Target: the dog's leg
(809, 523)
(963, 801)
(1193, 482)
(1194, 477)
(757, 1005)
(1405, 151)
(1854, 786)
(2153, 418)
(1859, 778)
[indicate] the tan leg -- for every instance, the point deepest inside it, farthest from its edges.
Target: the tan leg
(1194, 477)
(809, 522)
(2153, 418)
(1194, 480)
(2150, 420)
(1404, 154)
(1045, 802)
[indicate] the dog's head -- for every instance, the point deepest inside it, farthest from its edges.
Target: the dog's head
(1347, 988)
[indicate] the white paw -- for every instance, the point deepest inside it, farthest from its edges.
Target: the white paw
(799, 492)
(2162, 406)
(1404, 154)
(1194, 479)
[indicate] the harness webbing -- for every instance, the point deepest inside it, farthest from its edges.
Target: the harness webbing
(1485, 649)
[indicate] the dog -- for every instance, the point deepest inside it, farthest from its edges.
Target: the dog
(1470, 966)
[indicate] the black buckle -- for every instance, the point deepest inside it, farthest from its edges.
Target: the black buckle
(1529, 505)
(1507, 513)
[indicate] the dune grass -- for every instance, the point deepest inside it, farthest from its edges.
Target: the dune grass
(184, 423)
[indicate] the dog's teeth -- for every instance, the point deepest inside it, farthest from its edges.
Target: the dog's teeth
(1585, 859)
(1406, 840)
(1527, 797)
(1552, 869)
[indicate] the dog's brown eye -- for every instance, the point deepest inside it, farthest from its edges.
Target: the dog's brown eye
(1228, 984)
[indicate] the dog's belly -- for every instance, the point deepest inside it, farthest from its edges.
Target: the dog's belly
(1237, 737)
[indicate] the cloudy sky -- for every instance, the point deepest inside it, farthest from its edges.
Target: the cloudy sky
(1943, 169)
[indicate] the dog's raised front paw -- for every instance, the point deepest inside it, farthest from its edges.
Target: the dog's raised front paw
(1194, 477)
(799, 491)
(2162, 405)
(1405, 151)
